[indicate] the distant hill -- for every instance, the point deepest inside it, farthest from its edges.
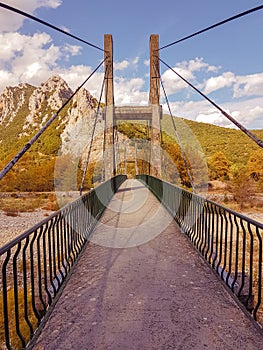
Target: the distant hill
(233, 143)
(24, 109)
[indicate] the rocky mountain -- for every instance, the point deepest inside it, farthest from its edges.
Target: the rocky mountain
(24, 109)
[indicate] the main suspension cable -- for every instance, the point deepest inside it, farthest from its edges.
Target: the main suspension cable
(10, 165)
(13, 9)
(92, 135)
(214, 26)
(228, 116)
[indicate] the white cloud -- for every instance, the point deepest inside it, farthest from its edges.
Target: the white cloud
(31, 59)
(121, 65)
(135, 61)
(187, 70)
(146, 62)
(248, 113)
(128, 91)
(219, 82)
(65, 29)
(73, 50)
(76, 75)
(213, 116)
(172, 83)
(10, 21)
(249, 85)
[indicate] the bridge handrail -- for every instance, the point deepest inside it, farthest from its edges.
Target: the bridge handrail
(35, 264)
(229, 241)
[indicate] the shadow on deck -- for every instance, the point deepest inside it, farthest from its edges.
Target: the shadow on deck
(140, 284)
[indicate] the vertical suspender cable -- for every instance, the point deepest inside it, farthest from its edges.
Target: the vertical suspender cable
(176, 133)
(92, 137)
(179, 141)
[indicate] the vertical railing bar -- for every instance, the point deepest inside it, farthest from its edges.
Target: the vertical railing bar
(63, 243)
(51, 281)
(243, 259)
(45, 260)
(199, 211)
(212, 214)
(67, 231)
(207, 231)
(237, 254)
(5, 299)
(260, 252)
(225, 244)
(230, 251)
(40, 268)
(32, 273)
(221, 241)
(217, 239)
(16, 303)
(197, 221)
(54, 256)
(69, 239)
(60, 247)
(201, 234)
(25, 287)
(72, 240)
(250, 265)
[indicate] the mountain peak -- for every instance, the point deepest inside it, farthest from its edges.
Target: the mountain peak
(55, 84)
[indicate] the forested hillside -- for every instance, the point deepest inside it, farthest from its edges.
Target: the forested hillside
(221, 153)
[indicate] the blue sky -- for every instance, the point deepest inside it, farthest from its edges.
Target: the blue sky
(225, 63)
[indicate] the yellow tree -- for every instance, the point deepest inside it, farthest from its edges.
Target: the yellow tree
(219, 166)
(255, 165)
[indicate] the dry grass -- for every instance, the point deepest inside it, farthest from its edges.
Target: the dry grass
(24, 328)
(15, 203)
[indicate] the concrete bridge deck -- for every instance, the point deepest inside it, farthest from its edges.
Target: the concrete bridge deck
(140, 284)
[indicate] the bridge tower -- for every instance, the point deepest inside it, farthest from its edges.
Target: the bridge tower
(109, 151)
(151, 113)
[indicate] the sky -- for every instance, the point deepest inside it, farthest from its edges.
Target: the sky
(225, 63)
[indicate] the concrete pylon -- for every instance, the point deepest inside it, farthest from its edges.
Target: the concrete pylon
(156, 169)
(109, 154)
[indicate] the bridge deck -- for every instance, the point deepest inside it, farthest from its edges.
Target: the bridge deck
(140, 284)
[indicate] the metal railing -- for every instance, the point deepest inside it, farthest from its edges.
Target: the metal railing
(230, 242)
(35, 264)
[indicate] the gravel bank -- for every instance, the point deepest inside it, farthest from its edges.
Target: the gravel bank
(13, 226)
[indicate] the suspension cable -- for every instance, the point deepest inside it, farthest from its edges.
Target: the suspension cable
(10, 165)
(92, 134)
(13, 9)
(214, 25)
(228, 116)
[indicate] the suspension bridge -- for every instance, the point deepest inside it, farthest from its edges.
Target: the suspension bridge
(134, 263)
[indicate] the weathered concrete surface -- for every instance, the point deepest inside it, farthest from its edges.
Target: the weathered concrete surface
(158, 295)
